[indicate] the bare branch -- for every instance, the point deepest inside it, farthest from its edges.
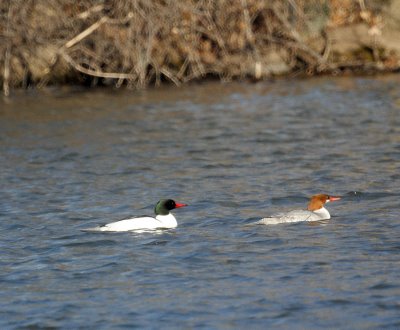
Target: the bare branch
(7, 57)
(84, 33)
(96, 73)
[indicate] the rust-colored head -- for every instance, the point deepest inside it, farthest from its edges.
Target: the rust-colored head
(317, 201)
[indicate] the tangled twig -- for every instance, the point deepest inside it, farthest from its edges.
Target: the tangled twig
(142, 42)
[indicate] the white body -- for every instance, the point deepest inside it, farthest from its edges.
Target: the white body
(296, 216)
(140, 223)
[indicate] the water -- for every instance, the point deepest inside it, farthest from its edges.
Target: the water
(236, 153)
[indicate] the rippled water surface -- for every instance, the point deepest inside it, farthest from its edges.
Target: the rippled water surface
(235, 152)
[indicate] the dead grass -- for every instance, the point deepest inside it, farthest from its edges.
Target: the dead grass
(136, 43)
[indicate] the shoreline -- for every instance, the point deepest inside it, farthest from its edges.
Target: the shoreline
(141, 45)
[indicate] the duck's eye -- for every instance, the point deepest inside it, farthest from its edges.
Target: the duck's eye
(171, 204)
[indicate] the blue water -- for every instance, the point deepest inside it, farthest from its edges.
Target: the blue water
(73, 159)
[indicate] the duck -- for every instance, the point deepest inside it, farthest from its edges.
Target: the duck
(315, 211)
(163, 219)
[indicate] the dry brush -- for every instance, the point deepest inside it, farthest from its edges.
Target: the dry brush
(136, 43)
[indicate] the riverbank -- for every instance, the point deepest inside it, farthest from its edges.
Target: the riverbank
(142, 43)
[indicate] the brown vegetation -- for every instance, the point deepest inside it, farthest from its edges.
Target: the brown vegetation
(141, 42)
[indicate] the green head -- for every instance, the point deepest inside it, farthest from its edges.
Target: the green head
(165, 205)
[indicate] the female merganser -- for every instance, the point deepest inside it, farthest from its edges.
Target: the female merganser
(163, 220)
(315, 211)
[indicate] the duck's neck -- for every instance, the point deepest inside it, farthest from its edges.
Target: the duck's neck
(168, 220)
(323, 213)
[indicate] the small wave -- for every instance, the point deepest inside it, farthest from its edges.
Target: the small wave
(359, 195)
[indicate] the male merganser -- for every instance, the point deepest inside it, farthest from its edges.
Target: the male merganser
(163, 219)
(315, 211)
